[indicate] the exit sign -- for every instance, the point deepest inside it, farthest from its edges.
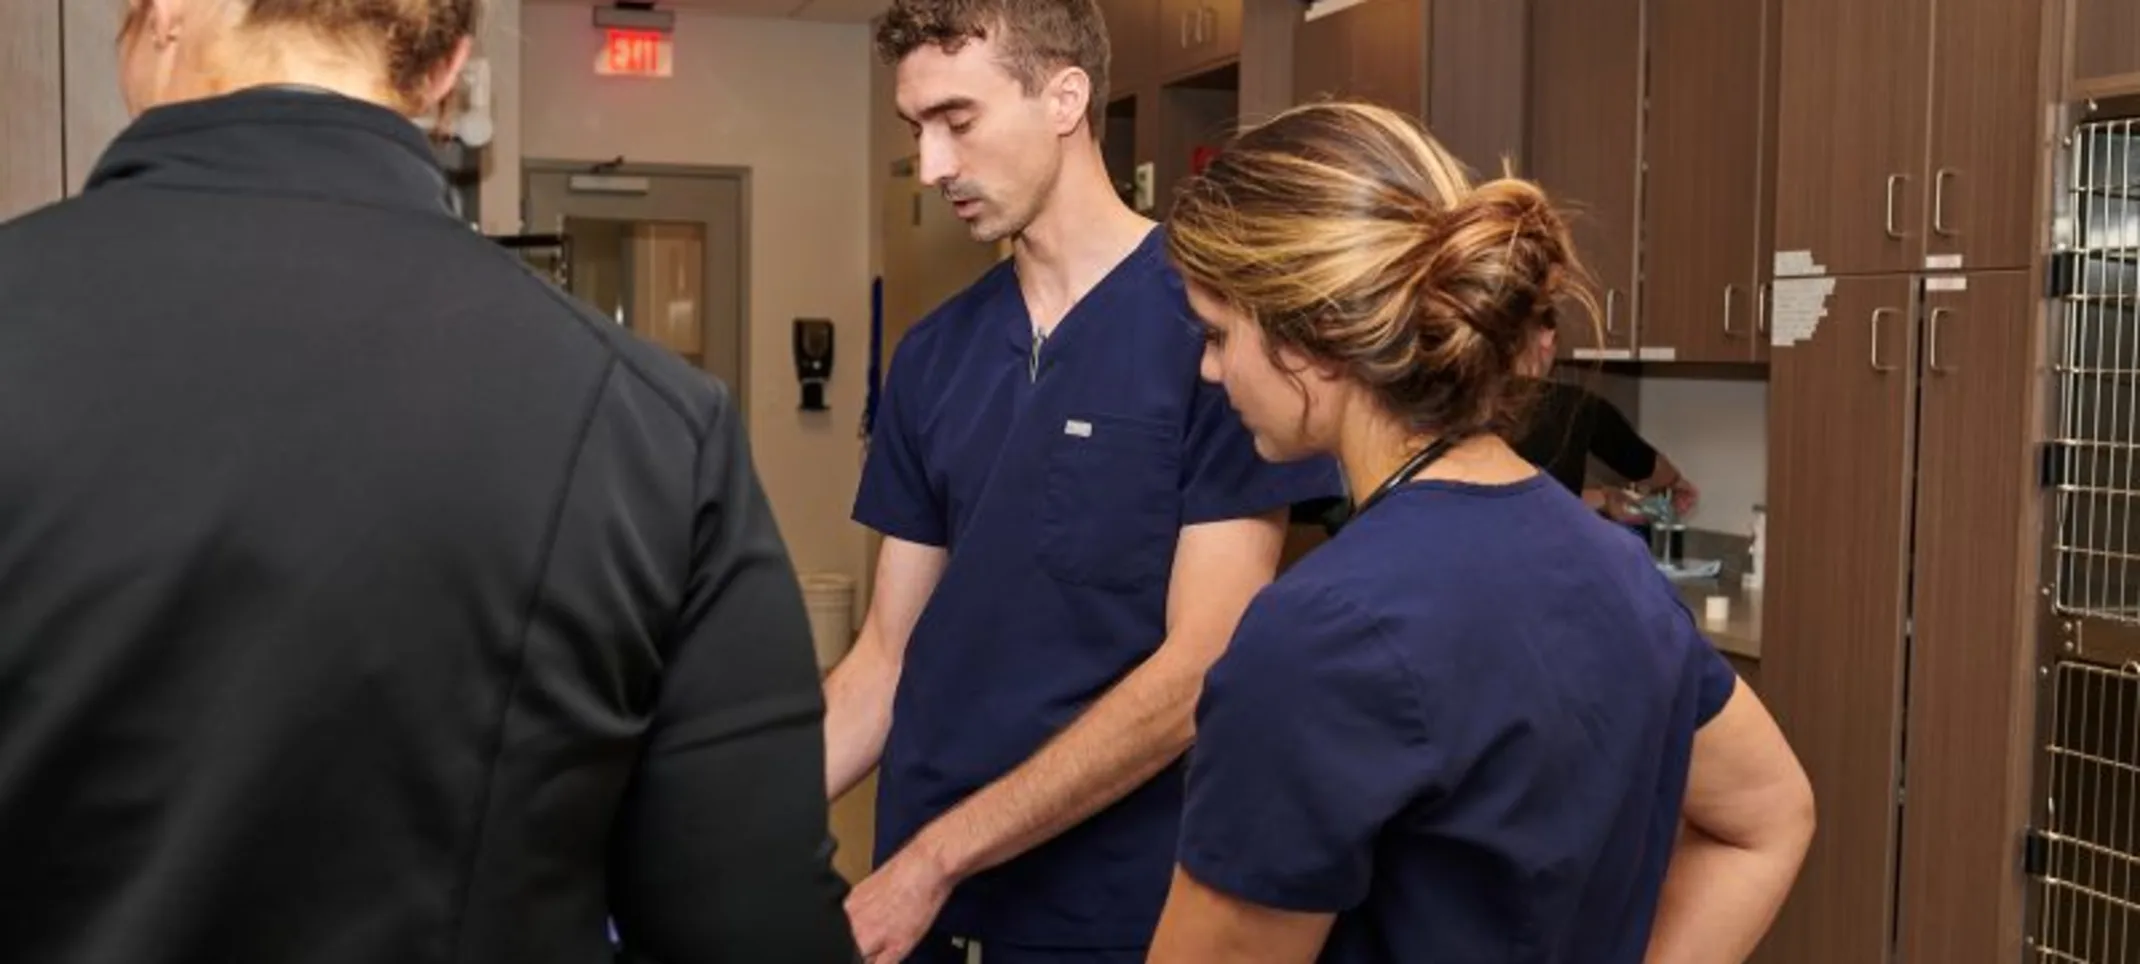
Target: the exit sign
(635, 53)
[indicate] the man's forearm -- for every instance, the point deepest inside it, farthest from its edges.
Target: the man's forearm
(1134, 731)
(1718, 900)
(858, 714)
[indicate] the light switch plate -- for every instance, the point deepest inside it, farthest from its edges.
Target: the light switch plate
(1144, 179)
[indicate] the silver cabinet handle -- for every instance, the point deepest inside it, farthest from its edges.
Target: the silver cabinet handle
(1939, 200)
(1728, 289)
(1761, 309)
(1875, 353)
(1207, 24)
(1185, 30)
(1612, 301)
(1932, 340)
(1892, 180)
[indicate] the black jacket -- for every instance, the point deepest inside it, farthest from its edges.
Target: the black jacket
(365, 601)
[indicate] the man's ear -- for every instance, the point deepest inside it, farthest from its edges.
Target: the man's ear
(1069, 99)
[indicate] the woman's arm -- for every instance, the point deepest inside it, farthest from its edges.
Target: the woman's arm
(1748, 818)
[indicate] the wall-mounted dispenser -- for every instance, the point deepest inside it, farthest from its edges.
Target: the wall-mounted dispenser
(813, 360)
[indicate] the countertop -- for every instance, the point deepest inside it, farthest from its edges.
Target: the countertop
(1740, 633)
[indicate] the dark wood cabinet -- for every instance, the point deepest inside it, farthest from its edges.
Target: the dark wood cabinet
(1860, 81)
(1851, 133)
(1478, 81)
(32, 158)
(1133, 41)
(1968, 676)
(1375, 51)
(1196, 35)
(1832, 651)
(1987, 115)
(1586, 91)
(1702, 208)
(2105, 41)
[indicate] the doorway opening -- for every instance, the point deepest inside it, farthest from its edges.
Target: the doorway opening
(657, 248)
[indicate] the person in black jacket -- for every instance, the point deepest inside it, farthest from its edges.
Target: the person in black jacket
(1568, 424)
(363, 600)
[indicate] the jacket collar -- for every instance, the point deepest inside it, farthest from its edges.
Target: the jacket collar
(279, 140)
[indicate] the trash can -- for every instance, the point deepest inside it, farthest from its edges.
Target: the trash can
(830, 597)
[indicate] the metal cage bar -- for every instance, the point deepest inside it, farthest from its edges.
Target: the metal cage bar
(2087, 878)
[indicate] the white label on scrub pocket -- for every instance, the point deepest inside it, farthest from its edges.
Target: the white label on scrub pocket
(1077, 427)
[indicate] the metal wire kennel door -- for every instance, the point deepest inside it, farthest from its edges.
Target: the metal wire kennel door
(2085, 854)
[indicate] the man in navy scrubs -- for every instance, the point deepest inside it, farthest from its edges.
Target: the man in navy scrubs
(1073, 525)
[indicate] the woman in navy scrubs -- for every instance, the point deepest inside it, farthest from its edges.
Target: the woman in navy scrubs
(1477, 725)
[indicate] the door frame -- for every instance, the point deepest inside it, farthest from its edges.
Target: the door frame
(742, 178)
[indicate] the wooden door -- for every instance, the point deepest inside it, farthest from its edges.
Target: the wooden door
(1851, 105)
(1222, 31)
(1840, 426)
(1702, 191)
(2105, 45)
(1132, 39)
(1586, 91)
(1972, 657)
(1987, 111)
(32, 156)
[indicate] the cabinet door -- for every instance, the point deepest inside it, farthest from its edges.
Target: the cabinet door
(1986, 111)
(1851, 133)
(1702, 146)
(1586, 89)
(1389, 64)
(1323, 57)
(1971, 659)
(32, 158)
(2106, 47)
(1132, 38)
(1478, 81)
(1197, 34)
(1840, 406)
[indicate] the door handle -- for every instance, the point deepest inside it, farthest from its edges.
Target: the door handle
(1208, 26)
(1932, 340)
(1875, 353)
(1728, 289)
(1761, 309)
(1939, 200)
(1892, 181)
(1185, 30)
(1612, 301)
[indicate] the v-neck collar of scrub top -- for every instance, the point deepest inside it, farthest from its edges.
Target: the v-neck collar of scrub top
(1018, 324)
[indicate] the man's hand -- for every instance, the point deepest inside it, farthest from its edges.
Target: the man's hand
(892, 910)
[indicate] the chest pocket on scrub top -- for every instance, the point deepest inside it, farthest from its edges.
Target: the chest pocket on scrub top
(1111, 504)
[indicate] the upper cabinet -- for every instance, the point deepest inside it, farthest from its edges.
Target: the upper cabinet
(1703, 206)
(1196, 35)
(1133, 32)
(2106, 48)
(1373, 51)
(1586, 99)
(32, 156)
(1861, 84)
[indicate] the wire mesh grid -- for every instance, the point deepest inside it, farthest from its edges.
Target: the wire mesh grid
(2088, 909)
(2097, 376)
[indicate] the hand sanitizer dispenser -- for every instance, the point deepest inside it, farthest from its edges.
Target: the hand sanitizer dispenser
(813, 360)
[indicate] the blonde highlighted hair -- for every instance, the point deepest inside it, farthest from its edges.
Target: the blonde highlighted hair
(1353, 238)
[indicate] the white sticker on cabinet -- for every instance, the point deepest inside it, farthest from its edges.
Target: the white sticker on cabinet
(1658, 353)
(1952, 283)
(1791, 264)
(1603, 354)
(1799, 305)
(1323, 8)
(1943, 262)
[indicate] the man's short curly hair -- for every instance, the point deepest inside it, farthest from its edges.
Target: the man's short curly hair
(1034, 36)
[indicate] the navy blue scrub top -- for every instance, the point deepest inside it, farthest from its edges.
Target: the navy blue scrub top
(1463, 725)
(1060, 496)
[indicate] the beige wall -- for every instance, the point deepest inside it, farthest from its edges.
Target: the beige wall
(790, 101)
(1716, 431)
